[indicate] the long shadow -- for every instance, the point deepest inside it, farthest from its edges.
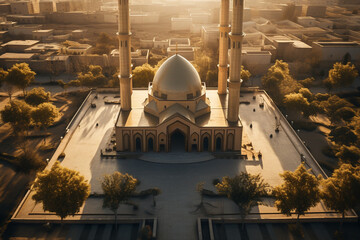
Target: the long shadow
(88, 130)
(279, 144)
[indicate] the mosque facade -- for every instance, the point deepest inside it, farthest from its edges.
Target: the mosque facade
(176, 112)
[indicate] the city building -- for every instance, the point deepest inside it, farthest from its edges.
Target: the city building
(181, 24)
(18, 46)
(46, 7)
(336, 51)
(42, 34)
(22, 7)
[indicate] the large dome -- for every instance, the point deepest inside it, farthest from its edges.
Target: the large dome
(177, 79)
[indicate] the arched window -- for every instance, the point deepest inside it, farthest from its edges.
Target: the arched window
(206, 143)
(150, 144)
(138, 144)
(218, 146)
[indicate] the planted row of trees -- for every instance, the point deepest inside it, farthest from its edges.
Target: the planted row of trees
(299, 191)
(344, 116)
(64, 191)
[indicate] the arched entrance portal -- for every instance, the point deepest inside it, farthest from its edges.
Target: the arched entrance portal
(177, 141)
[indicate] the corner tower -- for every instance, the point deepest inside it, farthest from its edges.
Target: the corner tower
(124, 36)
(236, 37)
(224, 30)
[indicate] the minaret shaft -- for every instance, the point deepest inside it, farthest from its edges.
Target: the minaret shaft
(224, 30)
(124, 36)
(236, 37)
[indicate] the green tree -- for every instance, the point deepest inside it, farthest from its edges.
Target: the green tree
(61, 190)
(322, 96)
(342, 74)
(349, 154)
(142, 75)
(3, 75)
(18, 114)
(343, 135)
(63, 84)
(37, 96)
(296, 101)
(44, 115)
(332, 104)
(117, 188)
(343, 114)
(104, 44)
(307, 94)
(307, 82)
(74, 83)
(278, 82)
(245, 75)
(355, 124)
(204, 63)
(245, 190)
(20, 75)
(298, 193)
(341, 192)
(212, 78)
(93, 77)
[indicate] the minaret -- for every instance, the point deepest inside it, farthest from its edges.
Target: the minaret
(224, 30)
(124, 36)
(235, 81)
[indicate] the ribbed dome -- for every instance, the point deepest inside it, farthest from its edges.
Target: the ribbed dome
(177, 79)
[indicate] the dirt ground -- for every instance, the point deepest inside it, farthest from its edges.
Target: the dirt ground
(13, 185)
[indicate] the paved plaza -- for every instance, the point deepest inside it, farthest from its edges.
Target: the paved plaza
(177, 174)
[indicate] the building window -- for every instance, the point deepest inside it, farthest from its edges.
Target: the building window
(125, 43)
(233, 44)
(190, 96)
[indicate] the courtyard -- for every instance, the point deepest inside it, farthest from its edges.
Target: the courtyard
(177, 174)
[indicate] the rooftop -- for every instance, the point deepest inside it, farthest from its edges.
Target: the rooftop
(16, 56)
(44, 47)
(338, 44)
(20, 43)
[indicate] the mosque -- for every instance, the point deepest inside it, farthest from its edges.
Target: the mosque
(176, 112)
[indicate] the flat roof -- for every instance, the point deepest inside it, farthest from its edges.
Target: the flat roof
(338, 44)
(20, 43)
(138, 118)
(44, 30)
(16, 56)
(300, 44)
(44, 46)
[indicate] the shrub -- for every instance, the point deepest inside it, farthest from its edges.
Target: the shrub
(29, 161)
(61, 155)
